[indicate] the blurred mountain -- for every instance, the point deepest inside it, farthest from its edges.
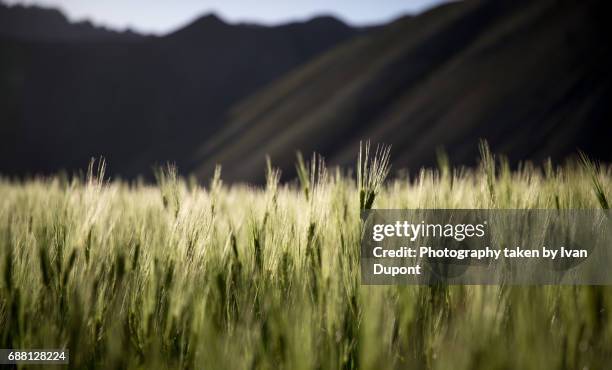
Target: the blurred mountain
(71, 91)
(533, 78)
(46, 24)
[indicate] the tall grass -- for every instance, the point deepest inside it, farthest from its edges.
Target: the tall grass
(239, 277)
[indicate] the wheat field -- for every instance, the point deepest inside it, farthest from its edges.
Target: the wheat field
(182, 276)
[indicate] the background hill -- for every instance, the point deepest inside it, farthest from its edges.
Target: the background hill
(533, 78)
(43, 24)
(72, 91)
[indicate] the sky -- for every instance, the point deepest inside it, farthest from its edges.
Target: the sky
(163, 16)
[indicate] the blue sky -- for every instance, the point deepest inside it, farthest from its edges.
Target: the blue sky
(161, 16)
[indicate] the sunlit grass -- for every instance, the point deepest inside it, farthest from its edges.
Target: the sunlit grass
(234, 277)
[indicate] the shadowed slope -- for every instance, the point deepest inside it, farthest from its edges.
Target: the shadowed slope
(532, 78)
(69, 93)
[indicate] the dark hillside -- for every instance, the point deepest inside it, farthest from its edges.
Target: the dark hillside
(73, 91)
(533, 78)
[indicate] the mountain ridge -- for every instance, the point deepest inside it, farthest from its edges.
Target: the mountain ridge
(36, 23)
(529, 77)
(139, 101)
(447, 78)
